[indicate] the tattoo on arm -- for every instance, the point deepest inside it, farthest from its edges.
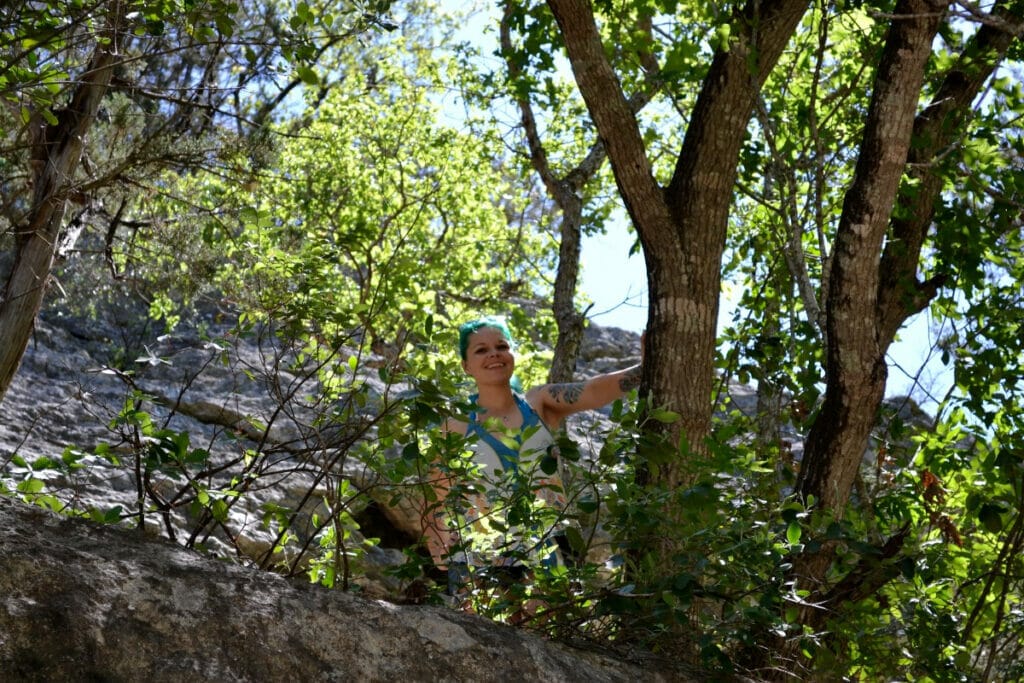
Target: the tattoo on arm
(567, 393)
(631, 380)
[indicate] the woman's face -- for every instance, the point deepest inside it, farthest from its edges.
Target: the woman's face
(489, 357)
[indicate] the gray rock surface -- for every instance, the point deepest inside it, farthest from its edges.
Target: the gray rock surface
(80, 601)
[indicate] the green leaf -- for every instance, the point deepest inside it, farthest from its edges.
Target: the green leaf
(908, 567)
(31, 485)
(110, 516)
(991, 517)
(576, 540)
(793, 533)
(411, 451)
(308, 75)
(565, 448)
(43, 463)
(664, 416)
(219, 509)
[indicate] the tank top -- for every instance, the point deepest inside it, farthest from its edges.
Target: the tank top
(532, 438)
(508, 463)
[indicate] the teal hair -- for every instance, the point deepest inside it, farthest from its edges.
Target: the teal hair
(468, 328)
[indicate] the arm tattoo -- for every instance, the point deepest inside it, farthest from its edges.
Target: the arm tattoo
(631, 380)
(566, 393)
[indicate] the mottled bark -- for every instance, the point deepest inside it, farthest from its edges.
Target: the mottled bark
(939, 126)
(868, 322)
(567, 194)
(856, 369)
(570, 321)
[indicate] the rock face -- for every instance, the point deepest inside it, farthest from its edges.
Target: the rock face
(231, 396)
(80, 601)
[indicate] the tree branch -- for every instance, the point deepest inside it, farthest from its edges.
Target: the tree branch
(939, 126)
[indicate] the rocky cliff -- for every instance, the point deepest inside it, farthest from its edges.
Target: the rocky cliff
(221, 438)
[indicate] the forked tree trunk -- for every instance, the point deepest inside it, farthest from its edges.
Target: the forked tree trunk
(873, 285)
(874, 290)
(856, 369)
(682, 226)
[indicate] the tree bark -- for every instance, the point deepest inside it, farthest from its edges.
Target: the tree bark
(57, 151)
(567, 194)
(682, 227)
(569, 320)
(856, 370)
(901, 294)
(867, 325)
(89, 602)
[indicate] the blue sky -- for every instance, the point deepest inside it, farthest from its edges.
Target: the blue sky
(615, 281)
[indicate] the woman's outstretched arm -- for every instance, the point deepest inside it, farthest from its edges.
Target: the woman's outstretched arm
(555, 402)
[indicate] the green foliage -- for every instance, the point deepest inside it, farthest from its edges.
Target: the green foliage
(377, 215)
(731, 539)
(795, 170)
(362, 224)
(362, 240)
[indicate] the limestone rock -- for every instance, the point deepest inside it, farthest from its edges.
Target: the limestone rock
(80, 601)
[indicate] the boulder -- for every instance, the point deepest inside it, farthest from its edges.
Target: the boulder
(81, 601)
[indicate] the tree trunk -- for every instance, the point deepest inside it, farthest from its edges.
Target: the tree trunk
(682, 227)
(57, 151)
(566, 194)
(856, 370)
(569, 320)
(901, 294)
(831, 457)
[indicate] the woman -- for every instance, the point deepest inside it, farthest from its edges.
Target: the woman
(510, 436)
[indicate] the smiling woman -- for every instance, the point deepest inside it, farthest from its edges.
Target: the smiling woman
(477, 525)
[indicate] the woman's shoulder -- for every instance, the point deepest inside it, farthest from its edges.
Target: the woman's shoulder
(533, 398)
